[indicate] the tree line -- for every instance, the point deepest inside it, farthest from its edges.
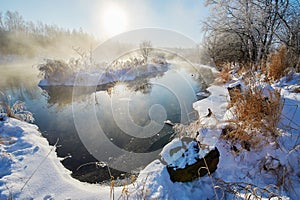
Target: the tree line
(28, 39)
(248, 31)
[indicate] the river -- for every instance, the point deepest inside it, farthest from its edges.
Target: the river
(129, 115)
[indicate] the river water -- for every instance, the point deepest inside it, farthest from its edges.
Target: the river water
(130, 117)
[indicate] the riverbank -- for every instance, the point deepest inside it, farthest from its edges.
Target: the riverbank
(30, 167)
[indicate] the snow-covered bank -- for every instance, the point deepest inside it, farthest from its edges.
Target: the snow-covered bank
(30, 168)
(269, 173)
(101, 77)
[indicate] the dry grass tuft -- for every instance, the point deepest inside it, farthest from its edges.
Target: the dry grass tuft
(189, 130)
(138, 190)
(224, 76)
(255, 117)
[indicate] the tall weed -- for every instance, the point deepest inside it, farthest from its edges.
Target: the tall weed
(278, 64)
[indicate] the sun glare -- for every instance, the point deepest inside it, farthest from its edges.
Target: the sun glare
(114, 20)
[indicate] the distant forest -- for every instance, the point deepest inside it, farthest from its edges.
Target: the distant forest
(29, 39)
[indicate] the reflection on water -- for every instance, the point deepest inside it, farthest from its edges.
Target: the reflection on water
(113, 103)
(60, 97)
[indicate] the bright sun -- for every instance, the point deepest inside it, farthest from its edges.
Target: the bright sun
(114, 20)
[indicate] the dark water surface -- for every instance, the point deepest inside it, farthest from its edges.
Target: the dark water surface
(119, 109)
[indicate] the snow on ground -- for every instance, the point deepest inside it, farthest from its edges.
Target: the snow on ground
(154, 183)
(29, 167)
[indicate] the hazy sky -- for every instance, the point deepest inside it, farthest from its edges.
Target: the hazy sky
(106, 18)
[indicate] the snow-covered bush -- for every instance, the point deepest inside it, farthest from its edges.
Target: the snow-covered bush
(159, 58)
(58, 70)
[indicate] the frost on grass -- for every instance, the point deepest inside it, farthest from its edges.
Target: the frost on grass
(16, 110)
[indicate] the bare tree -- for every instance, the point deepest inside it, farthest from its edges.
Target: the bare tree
(225, 47)
(252, 23)
(146, 48)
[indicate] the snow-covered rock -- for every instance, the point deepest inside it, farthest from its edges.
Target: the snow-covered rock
(181, 152)
(187, 159)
